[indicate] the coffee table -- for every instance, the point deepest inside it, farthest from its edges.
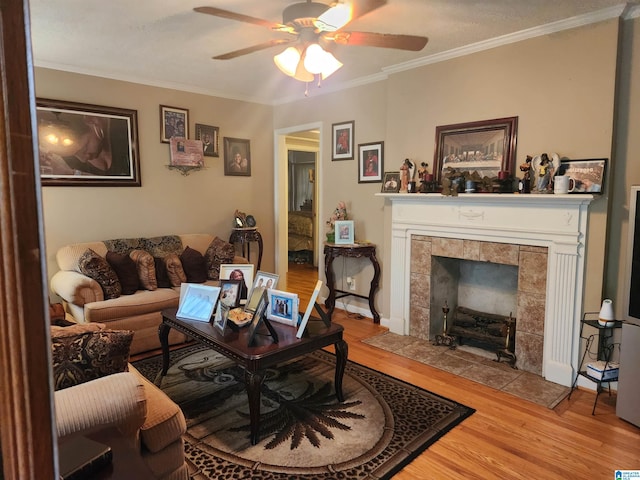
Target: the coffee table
(264, 353)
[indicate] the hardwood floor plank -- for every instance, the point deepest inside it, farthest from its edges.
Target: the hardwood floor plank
(507, 437)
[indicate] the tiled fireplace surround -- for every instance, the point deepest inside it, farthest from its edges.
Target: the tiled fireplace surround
(528, 231)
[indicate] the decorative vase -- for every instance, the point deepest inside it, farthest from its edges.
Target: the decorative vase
(331, 237)
(606, 317)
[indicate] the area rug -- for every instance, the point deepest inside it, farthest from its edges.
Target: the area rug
(305, 433)
(474, 364)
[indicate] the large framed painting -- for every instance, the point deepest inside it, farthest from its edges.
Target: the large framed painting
(487, 146)
(87, 145)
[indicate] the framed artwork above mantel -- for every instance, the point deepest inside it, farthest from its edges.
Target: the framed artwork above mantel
(486, 146)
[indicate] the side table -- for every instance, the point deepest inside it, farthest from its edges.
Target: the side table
(243, 237)
(603, 336)
(368, 250)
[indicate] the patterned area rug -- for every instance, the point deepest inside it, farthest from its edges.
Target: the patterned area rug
(383, 424)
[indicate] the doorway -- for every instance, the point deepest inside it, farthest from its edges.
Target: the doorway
(298, 203)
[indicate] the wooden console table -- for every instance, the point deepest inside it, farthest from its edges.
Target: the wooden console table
(243, 236)
(368, 250)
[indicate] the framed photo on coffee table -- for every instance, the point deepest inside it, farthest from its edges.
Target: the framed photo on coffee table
(283, 307)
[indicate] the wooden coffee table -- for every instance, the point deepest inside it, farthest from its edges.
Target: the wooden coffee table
(263, 354)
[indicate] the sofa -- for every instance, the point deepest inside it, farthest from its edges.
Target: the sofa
(96, 284)
(96, 388)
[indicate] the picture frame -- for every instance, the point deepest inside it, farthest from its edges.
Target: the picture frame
(497, 141)
(237, 157)
(310, 307)
(186, 153)
(344, 232)
(174, 122)
(370, 162)
(342, 135)
(221, 318)
(259, 318)
(87, 145)
(197, 302)
(209, 136)
(588, 174)
(230, 293)
(283, 307)
(239, 271)
(391, 182)
(265, 280)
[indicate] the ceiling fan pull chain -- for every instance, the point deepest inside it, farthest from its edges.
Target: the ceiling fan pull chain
(319, 81)
(306, 89)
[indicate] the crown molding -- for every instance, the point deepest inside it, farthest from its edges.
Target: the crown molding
(632, 11)
(547, 29)
(147, 82)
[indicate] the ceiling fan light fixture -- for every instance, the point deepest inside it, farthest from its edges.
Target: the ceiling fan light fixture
(288, 61)
(334, 18)
(319, 61)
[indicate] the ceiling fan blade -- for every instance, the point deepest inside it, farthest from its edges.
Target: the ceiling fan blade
(218, 12)
(254, 48)
(384, 40)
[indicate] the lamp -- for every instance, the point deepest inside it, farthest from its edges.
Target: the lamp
(313, 60)
(606, 317)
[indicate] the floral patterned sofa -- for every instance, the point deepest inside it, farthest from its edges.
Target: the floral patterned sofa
(97, 282)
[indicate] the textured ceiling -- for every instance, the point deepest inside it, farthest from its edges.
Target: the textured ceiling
(166, 43)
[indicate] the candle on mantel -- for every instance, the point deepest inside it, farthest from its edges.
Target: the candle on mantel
(502, 175)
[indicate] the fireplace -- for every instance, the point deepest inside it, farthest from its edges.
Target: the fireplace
(543, 235)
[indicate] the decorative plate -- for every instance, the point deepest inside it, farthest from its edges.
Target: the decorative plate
(251, 222)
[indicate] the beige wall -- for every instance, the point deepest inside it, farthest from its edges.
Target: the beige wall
(561, 86)
(167, 202)
(627, 167)
(564, 104)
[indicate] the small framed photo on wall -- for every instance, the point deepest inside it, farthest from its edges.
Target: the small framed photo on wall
(370, 162)
(237, 157)
(209, 137)
(174, 122)
(342, 140)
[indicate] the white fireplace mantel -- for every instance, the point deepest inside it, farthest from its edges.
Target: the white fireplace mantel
(558, 222)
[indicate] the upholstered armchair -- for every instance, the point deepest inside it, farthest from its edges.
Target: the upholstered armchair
(92, 394)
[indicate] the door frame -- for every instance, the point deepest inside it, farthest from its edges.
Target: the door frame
(281, 202)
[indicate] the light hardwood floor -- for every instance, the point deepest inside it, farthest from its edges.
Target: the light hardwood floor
(507, 438)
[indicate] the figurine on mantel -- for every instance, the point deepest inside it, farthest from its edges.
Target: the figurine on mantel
(407, 170)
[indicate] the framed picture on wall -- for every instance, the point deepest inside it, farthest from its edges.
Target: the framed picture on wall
(209, 137)
(174, 122)
(85, 145)
(342, 140)
(370, 162)
(237, 157)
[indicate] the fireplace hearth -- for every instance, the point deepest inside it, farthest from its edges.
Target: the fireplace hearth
(544, 235)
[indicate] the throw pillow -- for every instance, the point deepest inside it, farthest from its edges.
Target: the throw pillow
(82, 357)
(146, 268)
(175, 270)
(94, 266)
(193, 265)
(217, 253)
(162, 276)
(126, 271)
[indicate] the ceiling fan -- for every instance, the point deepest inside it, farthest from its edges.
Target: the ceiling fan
(314, 29)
